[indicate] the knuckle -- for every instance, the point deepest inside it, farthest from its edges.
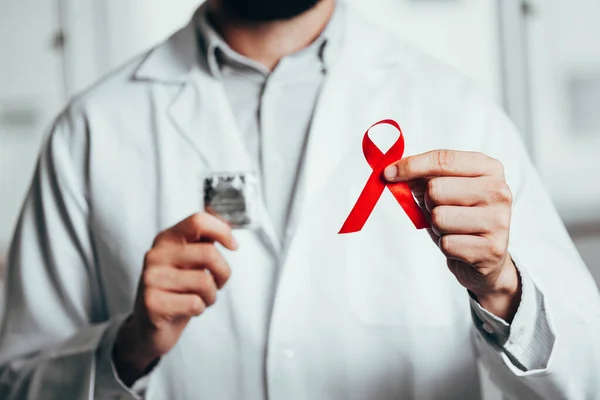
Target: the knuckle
(434, 190)
(447, 245)
(199, 219)
(496, 249)
(152, 257)
(197, 306)
(206, 283)
(211, 255)
(159, 238)
(502, 193)
(150, 300)
(151, 277)
(443, 159)
(438, 217)
(164, 236)
(211, 297)
(226, 273)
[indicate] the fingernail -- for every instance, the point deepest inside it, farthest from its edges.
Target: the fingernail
(391, 172)
(234, 243)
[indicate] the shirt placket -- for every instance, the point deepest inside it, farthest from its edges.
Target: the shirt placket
(273, 167)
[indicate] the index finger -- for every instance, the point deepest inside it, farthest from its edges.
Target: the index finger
(442, 163)
(203, 227)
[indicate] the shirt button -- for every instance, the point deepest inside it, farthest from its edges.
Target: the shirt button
(322, 68)
(488, 328)
(287, 353)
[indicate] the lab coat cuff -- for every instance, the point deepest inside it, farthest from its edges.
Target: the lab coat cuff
(108, 384)
(529, 340)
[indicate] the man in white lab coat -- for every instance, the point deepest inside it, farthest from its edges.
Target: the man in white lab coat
(108, 294)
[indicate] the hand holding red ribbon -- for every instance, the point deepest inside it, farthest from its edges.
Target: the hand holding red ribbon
(376, 184)
(469, 203)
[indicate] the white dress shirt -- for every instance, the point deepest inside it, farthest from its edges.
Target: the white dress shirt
(273, 109)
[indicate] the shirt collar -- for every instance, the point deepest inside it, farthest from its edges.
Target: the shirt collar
(215, 52)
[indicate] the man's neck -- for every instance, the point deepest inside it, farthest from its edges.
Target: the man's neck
(269, 42)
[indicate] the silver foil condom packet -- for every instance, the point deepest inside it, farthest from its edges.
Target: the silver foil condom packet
(233, 197)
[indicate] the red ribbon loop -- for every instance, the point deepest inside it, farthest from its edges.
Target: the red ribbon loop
(376, 184)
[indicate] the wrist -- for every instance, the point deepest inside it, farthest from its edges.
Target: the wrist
(130, 358)
(504, 297)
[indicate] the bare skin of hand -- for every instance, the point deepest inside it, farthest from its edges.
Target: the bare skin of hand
(181, 276)
(467, 201)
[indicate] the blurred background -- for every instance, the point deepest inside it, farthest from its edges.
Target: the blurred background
(539, 59)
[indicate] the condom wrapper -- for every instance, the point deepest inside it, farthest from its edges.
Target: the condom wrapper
(233, 197)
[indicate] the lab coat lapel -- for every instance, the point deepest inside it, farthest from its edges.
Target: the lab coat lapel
(202, 115)
(200, 112)
(350, 102)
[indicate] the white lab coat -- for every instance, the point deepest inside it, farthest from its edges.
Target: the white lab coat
(372, 315)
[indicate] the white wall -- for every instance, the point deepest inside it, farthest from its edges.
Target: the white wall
(135, 25)
(462, 33)
(106, 33)
(564, 42)
(31, 93)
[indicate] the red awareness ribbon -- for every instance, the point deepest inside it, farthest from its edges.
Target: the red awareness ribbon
(376, 184)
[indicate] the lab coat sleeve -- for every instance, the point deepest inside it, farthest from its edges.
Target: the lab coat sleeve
(56, 336)
(556, 354)
(528, 341)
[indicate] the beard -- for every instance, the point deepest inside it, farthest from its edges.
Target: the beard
(267, 10)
